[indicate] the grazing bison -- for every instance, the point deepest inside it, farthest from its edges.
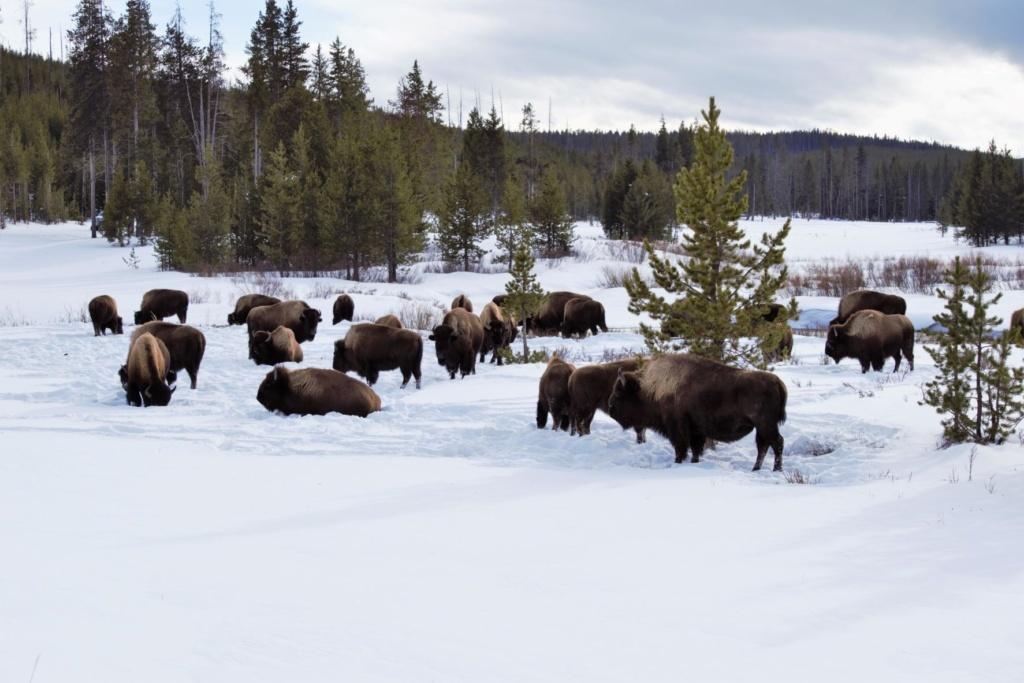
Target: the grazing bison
(457, 341)
(295, 315)
(389, 320)
(582, 315)
(103, 313)
(551, 313)
(871, 337)
(369, 348)
(158, 304)
(689, 399)
(499, 331)
(785, 348)
(344, 308)
(865, 299)
(462, 301)
(271, 348)
(315, 391)
(589, 390)
(185, 344)
(145, 376)
(553, 395)
(246, 303)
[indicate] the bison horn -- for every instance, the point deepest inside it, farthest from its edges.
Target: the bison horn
(148, 391)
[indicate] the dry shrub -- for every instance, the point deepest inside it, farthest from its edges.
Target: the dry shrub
(71, 315)
(416, 315)
(322, 290)
(795, 476)
(263, 283)
(9, 318)
(627, 250)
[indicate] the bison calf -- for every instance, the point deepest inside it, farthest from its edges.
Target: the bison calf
(145, 376)
(185, 344)
(158, 304)
(457, 341)
(271, 348)
(246, 303)
(369, 348)
(871, 337)
(315, 391)
(553, 395)
(589, 390)
(344, 308)
(103, 313)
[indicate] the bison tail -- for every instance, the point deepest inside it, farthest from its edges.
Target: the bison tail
(542, 414)
(783, 397)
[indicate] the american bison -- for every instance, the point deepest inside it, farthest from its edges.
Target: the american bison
(462, 301)
(158, 304)
(145, 376)
(772, 314)
(499, 331)
(457, 341)
(582, 315)
(185, 344)
(390, 321)
(865, 299)
(246, 303)
(785, 348)
(1017, 323)
(315, 391)
(271, 348)
(500, 299)
(103, 313)
(871, 337)
(551, 313)
(369, 348)
(344, 308)
(689, 399)
(553, 395)
(295, 315)
(589, 390)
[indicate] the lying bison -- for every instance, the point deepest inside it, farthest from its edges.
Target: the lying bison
(295, 315)
(146, 375)
(689, 399)
(246, 303)
(315, 391)
(553, 395)
(462, 301)
(271, 348)
(589, 390)
(871, 337)
(582, 315)
(344, 308)
(457, 341)
(499, 331)
(866, 299)
(551, 313)
(390, 321)
(369, 348)
(103, 313)
(158, 304)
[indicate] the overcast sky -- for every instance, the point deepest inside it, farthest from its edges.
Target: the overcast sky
(945, 70)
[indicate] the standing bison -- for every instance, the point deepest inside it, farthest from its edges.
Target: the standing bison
(589, 390)
(271, 348)
(369, 348)
(103, 313)
(553, 395)
(689, 399)
(344, 308)
(582, 315)
(246, 303)
(295, 315)
(871, 337)
(185, 344)
(315, 391)
(498, 331)
(462, 301)
(457, 341)
(145, 376)
(551, 313)
(866, 299)
(158, 304)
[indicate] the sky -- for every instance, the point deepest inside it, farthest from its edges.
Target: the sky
(943, 70)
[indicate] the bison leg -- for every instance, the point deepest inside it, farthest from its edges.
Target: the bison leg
(542, 413)
(585, 421)
(877, 363)
(565, 425)
(696, 446)
(897, 358)
(193, 375)
(865, 365)
(183, 315)
(908, 353)
(641, 435)
(95, 330)
(406, 375)
(372, 375)
(762, 449)
(777, 446)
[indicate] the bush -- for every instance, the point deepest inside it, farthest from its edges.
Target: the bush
(416, 315)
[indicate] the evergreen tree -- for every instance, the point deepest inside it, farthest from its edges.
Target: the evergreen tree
(523, 292)
(398, 222)
(133, 67)
(351, 95)
(550, 222)
(279, 216)
(464, 220)
(663, 153)
(648, 207)
(614, 198)
(117, 217)
(512, 228)
(320, 76)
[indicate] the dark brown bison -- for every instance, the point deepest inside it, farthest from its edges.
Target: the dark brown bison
(369, 348)
(390, 321)
(772, 314)
(462, 301)
(551, 313)
(103, 313)
(457, 341)
(871, 337)
(865, 299)
(689, 399)
(185, 344)
(582, 315)
(500, 299)
(785, 348)
(344, 308)
(295, 315)
(589, 389)
(158, 304)
(246, 303)
(146, 373)
(315, 391)
(553, 395)
(271, 348)
(499, 331)
(1017, 323)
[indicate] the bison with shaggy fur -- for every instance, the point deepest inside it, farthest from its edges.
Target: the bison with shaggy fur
(871, 337)
(146, 375)
(185, 344)
(551, 313)
(246, 303)
(500, 299)
(462, 301)
(158, 304)
(344, 308)
(589, 390)
(582, 315)
(499, 331)
(297, 316)
(315, 391)
(369, 348)
(866, 299)
(553, 395)
(271, 348)
(689, 399)
(390, 320)
(103, 314)
(457, 341)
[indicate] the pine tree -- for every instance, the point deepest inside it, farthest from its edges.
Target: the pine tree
(279, 216)
(550, 222)
(726, 284)
(648, 206)
(464, 220)
(117, 214)
(523, 292)
(614, 197)
(511, 227)
(663, 155)
(397, 219)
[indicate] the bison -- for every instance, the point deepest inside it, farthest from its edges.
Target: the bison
(315, 391)
(500, 299)
(553, 395)
(103, 313)
(369, 348)
(457, 341)
(689, 399)
(158, 304)
(271, 348)
(390, 321)
(589, 389)
(146, 375)
(582, 315)
(185, 344)
(246, 303)
(871, 337)
(462, 301)
(1017, 323)
(865, 299)
(295, 315)
(499, 331)
(551, 313)
(344, 308)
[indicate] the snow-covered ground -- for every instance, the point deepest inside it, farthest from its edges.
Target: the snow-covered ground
(447, 538)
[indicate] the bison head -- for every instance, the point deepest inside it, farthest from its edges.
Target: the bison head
(513, 331)
(498, 332)
(140, 318)
(158, 394)
(123, 374)
(835, 344)
(233, 319)
(273, 389)
(309, 319)
(444, 338)
(340, 360)
(118, 325)
(625, 405)
(261, 348)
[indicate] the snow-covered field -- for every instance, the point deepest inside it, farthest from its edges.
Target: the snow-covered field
(446, 538)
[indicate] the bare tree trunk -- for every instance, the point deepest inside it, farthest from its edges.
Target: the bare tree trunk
(92, 188)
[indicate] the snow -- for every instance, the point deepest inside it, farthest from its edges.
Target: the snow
(447, 538)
